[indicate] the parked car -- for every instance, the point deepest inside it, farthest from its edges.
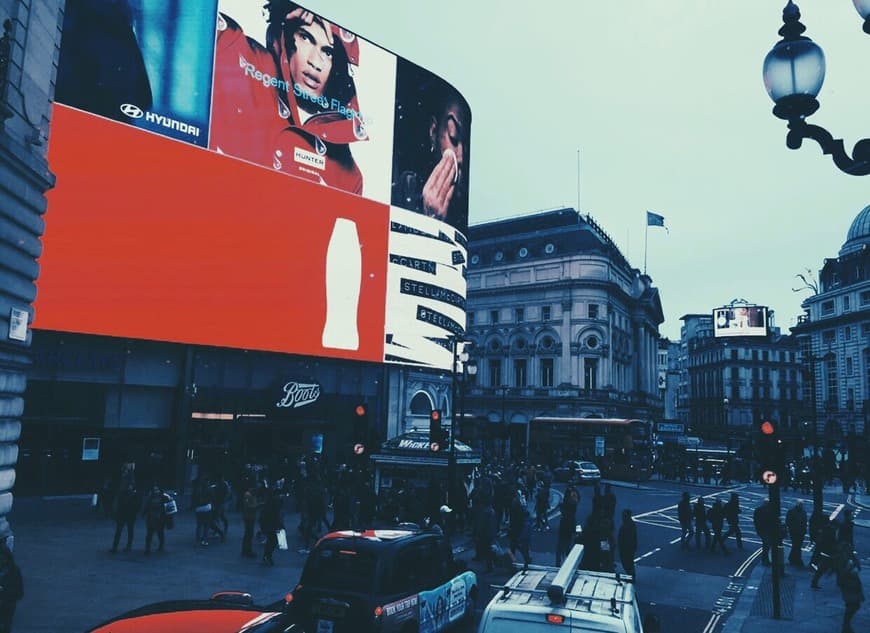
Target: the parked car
(577, 471)
(383, 580)
(224, 612)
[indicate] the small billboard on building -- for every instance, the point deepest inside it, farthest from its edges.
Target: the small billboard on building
(740, 320)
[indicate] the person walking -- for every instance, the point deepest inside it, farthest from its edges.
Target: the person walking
(126, 511)
(732, 515)
(850, 586)
(825, 552)
(11, 586)
(519, 518)
(201, 501)
(700, 513)
(717, 522)
(567, 523)
(627, 543)
(846, 531)
(485, 531)
(796, 524)
(270, 522)
(762, 519)
(155, 518)
(220, 493)
(522, 540)
(542, 506)
(684, 514)
(608, 502)
(250, 506)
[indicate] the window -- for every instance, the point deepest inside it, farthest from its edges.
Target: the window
(493, 316)
(847, 301)
(865, 298)
(469, 318)
(848, 365)
(593, 310)
(592, 342)
(475, 259)
(494, 372)
(590, 373)
(519, 314)
(549, 249)
(499, 256)
(829, 336)
(847, 333)
(831, 369)
(755, 354)
(545, 313)
(733, 354)
(827, 307)
(519, 372)
(524, 252)
(865, 329)
(765, 355)
(546, 372)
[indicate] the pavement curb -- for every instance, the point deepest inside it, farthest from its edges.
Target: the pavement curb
(743, 608)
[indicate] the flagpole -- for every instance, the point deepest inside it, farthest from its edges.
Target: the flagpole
(578, 180)
(645, 234)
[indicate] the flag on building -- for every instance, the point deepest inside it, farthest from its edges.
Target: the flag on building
(654, 219)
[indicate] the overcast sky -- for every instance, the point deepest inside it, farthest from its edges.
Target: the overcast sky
(664, 101)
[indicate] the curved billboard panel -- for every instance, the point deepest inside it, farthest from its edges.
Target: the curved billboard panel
(257, 177)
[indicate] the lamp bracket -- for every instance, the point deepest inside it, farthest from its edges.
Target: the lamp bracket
(856, 165)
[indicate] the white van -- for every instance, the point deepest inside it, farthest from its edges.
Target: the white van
(563, 600)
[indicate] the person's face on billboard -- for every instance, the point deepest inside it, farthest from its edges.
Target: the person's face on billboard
(311, 62)
(450, 132)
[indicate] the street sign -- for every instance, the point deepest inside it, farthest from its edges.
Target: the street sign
(768, 477)
(359, 449)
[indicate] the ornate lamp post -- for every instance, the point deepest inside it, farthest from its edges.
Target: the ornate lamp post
(793, 71)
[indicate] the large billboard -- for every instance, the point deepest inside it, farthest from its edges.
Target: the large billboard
(250, 176)
(740, 320)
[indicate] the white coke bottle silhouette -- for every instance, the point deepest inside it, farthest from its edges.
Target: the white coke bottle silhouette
(343, 280)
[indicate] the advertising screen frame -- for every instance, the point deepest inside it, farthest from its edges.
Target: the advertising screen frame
(235, 203)
(740, 320)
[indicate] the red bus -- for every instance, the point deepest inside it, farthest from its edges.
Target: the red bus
(621, 448)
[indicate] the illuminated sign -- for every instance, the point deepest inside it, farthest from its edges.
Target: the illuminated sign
(237, 195)
(740, 320)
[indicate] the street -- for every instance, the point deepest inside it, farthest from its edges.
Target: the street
(73, 583)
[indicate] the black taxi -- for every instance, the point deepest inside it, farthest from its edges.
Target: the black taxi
(383, 580)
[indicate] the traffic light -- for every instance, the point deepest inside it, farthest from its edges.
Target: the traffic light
(436, 433)
(770, 453)
(360, 429)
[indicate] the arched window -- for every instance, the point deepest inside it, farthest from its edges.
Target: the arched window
(421, 403)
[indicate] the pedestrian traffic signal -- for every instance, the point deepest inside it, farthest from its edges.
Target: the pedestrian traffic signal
(360, 429)
(436, 433)
(770, 453)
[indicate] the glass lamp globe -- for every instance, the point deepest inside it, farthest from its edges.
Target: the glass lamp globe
(794, 67)
(863, 8)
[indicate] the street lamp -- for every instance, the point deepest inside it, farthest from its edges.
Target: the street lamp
(462, 366)
(793, 72)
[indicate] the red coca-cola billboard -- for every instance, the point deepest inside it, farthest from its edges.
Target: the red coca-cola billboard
(256, 177)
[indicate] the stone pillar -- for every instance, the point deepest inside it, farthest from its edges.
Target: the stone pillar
(26, 83)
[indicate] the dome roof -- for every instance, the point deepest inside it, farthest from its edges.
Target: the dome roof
(859, 233)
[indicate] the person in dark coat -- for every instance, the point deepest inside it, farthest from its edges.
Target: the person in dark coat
(700, 513)
(717, 522)
(271, 521)
(250, 505)
(846, 531)
(567, 523)
(684, 514)
(627, 543)
(765, 526)
(591, 538)
(200, 499)
(796, 523)
(825, 552)
(608, 500)
(850, 586)
(155, 517)
(542, 507)
(126, 511)
(11, 586)
(732, 515)
(522, 542)
(485, 532)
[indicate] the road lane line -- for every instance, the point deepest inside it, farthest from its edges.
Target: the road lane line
(650, 553)
(711, 625)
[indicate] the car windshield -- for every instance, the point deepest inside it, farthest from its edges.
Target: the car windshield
(588, 466)
(341, 568)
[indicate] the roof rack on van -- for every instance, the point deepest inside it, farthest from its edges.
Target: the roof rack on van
(566, 573)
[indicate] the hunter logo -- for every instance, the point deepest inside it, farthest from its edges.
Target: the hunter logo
(297, 394)
(308, 158)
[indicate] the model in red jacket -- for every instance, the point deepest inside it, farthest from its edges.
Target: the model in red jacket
(291, 105)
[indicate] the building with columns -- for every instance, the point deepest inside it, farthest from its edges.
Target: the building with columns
(834, 339)
(562, 325)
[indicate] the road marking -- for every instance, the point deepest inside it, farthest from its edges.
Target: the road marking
(650, 553)
(837, 512)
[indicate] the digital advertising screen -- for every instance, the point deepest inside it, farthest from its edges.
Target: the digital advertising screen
(252, 175)
(740, 320)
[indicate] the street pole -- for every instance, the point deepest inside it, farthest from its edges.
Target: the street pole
(776, 567)
(451, 457)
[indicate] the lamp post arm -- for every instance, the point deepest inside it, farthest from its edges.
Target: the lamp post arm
(856, 165)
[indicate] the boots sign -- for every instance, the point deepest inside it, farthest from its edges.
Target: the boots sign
(299, 394)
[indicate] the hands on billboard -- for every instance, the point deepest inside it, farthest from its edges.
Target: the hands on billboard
(308, 18)
(439, 188)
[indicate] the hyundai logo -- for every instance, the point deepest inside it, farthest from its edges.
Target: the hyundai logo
(132, 111)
